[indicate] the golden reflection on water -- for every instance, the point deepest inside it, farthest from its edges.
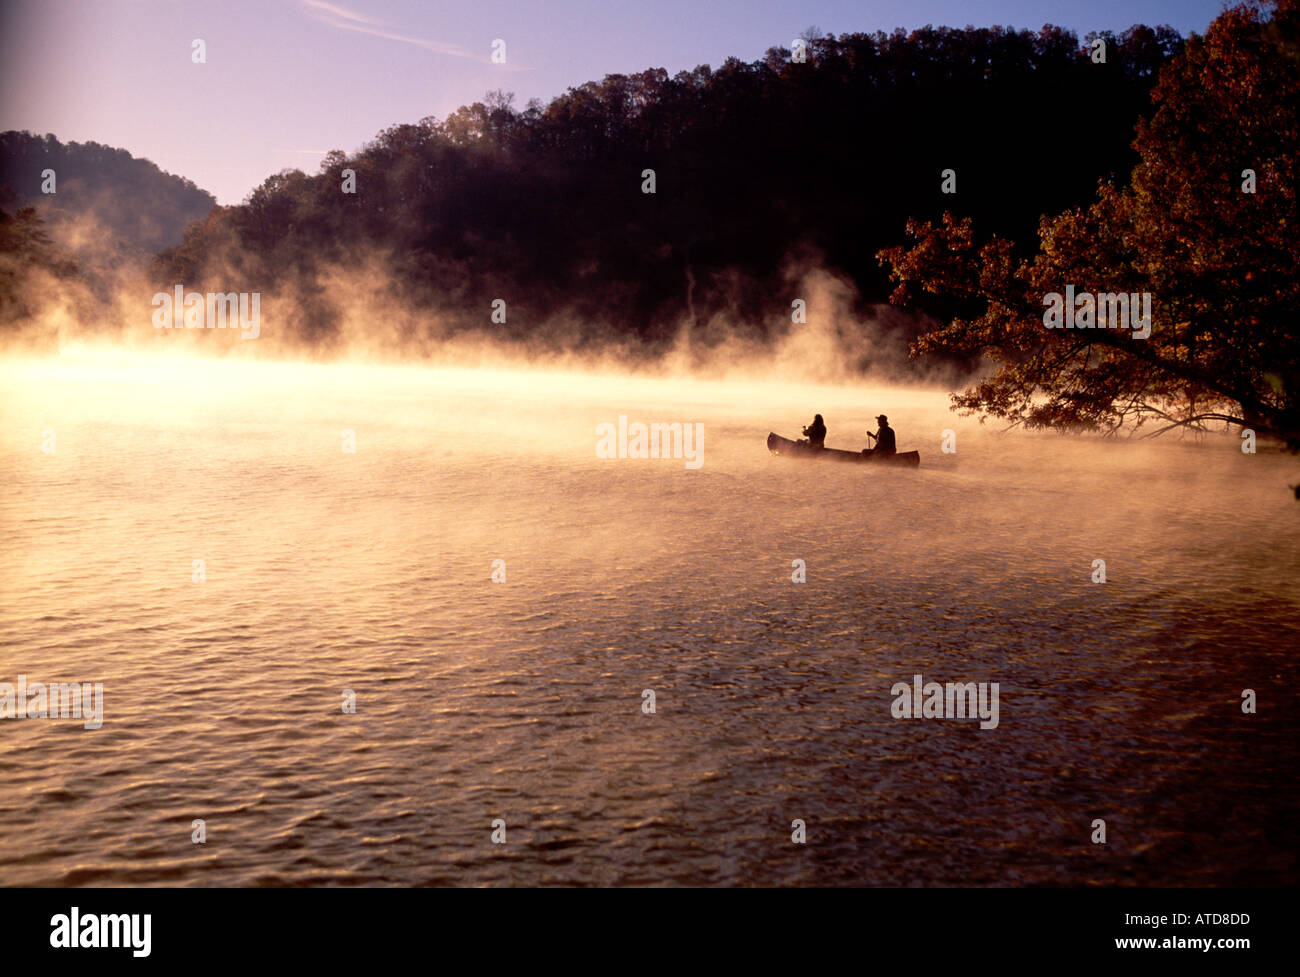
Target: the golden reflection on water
(326, 570)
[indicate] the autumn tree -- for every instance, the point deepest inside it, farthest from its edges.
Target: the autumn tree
(1207, 224)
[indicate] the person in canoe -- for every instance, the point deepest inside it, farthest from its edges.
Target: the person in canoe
(884, 438)
(816, 432)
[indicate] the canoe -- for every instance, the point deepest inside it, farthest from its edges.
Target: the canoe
(795, 449)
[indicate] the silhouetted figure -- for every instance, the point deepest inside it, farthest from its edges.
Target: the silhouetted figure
(884, 438)
(816, 432)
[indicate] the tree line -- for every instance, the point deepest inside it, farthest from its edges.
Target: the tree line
(756, 165)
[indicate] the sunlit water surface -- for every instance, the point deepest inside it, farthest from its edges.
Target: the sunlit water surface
(372, 571)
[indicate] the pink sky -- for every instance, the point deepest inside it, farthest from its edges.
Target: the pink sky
(287, 80)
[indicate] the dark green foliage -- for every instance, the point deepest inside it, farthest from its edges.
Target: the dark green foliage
(26, 252)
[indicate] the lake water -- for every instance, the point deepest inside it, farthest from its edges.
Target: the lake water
(477, 700)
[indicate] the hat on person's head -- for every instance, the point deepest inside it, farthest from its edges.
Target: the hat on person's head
(883, 419)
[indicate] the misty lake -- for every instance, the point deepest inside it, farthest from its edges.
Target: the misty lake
(325, 571)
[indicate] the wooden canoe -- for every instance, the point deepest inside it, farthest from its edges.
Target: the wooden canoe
(798, 449)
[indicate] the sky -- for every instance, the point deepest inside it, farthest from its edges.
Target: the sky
(287, 80)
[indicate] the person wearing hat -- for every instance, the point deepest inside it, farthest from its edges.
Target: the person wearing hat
(884, 439)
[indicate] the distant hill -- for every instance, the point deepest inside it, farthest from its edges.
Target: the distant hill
(109, 208)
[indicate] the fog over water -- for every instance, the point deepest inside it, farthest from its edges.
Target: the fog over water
(372, 571)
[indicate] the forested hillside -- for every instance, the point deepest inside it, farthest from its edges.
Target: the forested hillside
(107, 207)
(759, 168)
